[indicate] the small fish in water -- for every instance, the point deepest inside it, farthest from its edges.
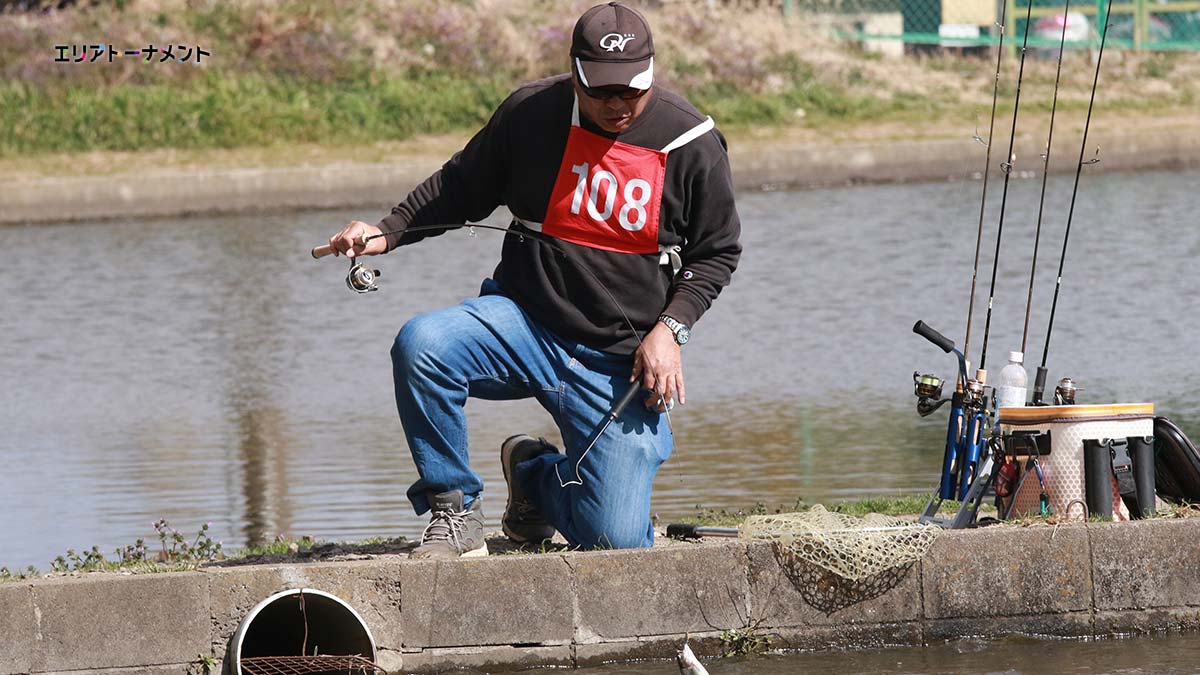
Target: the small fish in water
(688, 663)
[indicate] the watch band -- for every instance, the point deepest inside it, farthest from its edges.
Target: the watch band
(680, 330)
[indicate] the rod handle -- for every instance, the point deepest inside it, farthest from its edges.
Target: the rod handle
(1039, 385)
(620, 406)
(323, 250)
(944, 343)
(689, 531)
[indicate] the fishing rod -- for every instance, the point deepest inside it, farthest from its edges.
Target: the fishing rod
(967, 410)
(362, 279)
(1039, 385)
(1062, 43)
(1007, 167)
(987, 169)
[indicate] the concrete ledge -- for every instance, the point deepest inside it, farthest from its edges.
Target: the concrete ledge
(669, 591)
(107, 621)
(1147, 564)
(17, 625)
(772, 162)
(1004, 571)
(578, 609)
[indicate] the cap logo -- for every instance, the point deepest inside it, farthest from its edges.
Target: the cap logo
(615, 41)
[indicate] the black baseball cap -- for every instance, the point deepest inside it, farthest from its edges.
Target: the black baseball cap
(611, 45)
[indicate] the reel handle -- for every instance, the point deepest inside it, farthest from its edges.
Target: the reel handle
(942, 342)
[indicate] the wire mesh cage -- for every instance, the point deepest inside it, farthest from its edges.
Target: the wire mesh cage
(305, 665)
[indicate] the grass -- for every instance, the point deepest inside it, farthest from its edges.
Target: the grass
(342, 74)
(239, 111)
(179, 554)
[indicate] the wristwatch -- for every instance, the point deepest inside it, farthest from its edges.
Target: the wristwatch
(681, 331)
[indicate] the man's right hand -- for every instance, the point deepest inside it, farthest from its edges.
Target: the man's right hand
(350, 240)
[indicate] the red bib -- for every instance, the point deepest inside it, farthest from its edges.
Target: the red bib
(607, 194)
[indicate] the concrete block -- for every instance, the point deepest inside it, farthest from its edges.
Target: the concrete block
(233, 591)
(1007, 571)
(1071, 624)
(853, 636)
(1146, 621)
(1146, 564)
(704, 645)
(371, 587)
(519, 599)
(677, 590)
(486, 659)
(114, 621)
(17, 624)
(785, 592)
(168, 669)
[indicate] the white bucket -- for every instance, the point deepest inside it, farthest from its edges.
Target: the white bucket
(1069, 426)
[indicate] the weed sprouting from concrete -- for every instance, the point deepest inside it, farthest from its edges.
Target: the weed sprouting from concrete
(743, 641)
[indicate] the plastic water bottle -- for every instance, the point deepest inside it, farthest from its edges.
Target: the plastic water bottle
(1010, 389)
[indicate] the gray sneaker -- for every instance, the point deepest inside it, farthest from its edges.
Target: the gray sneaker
(522, 521)
(453, 531)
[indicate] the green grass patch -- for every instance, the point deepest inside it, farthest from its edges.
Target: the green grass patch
(241, 111)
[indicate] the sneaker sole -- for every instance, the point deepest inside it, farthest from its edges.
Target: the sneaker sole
(480, 552)
(506, 449)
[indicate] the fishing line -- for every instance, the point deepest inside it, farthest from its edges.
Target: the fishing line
(1039, 385)
(987, 168)
(1045, 172)
(1007, 167)
(522, 233)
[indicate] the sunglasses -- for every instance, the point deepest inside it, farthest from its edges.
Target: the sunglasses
(623, 93)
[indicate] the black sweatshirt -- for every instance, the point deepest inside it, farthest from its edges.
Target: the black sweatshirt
(514, 161)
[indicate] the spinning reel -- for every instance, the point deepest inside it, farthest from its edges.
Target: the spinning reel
(928, 390)
(360, 278)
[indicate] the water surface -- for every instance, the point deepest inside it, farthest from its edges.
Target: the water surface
(206, 369)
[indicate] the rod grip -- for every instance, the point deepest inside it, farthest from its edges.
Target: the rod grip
(944, 343)
(1039, 385)
(325, 249)
(689, 531)
(620, 406)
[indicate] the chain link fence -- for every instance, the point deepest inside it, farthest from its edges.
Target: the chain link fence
(896, 26)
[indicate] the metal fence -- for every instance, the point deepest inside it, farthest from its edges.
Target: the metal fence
(1157, 25)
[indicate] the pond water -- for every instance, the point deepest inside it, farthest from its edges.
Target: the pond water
(206, 369)
(1164, 654)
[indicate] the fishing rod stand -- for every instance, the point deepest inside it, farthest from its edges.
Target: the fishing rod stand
(967, 461)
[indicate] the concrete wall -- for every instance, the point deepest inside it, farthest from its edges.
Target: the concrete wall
(770, 162)
(514, 611)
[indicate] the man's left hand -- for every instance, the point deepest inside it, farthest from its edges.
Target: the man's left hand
(659, 364)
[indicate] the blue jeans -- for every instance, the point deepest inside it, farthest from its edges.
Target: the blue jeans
(489, 348)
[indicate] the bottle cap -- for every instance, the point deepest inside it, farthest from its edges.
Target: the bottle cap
(1016, 357)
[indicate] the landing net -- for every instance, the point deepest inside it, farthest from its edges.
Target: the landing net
(850, 547)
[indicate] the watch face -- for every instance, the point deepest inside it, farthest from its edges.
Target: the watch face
(683, 334)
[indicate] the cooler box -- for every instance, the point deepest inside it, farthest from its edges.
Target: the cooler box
(1069, 426)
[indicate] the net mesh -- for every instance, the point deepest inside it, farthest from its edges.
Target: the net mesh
(853, 548)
